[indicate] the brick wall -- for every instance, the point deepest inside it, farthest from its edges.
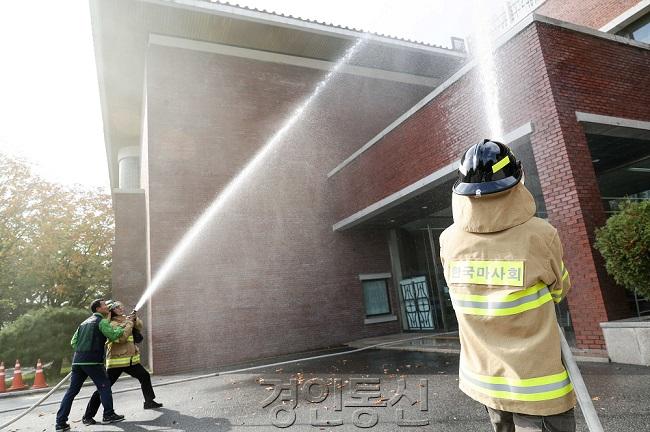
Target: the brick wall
(129, 267)
(589, 13)
(592, 75)
(546, 74)
(435, 135)
(268, 275)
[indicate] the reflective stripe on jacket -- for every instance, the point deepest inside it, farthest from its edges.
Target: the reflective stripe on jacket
(123, 352)
(505, 274)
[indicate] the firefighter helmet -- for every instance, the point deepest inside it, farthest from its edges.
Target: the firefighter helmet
(113, 304)
(486, 168)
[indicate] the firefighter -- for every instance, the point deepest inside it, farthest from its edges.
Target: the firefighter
(123, 355)
(88, 361)
(505, 274)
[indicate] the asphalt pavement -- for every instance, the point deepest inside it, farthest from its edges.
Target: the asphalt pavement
(353, 391)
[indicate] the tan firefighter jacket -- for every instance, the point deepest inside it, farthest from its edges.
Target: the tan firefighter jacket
(505, 273)
(123, 352)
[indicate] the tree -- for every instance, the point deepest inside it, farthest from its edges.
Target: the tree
(43, 334)
(18, 206)
(72, 258)
(624, 242)
(55, 242)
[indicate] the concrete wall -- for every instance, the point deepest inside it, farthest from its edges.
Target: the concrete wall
(628, 341)
(546, 74)
(268, 276)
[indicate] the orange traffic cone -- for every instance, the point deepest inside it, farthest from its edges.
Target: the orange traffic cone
(3, 387)
(17, 382)
(39, 378)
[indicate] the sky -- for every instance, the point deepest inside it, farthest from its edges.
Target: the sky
(49, 98)
(50, 113)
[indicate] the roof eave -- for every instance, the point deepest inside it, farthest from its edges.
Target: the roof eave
(99, 63)
(303, 25)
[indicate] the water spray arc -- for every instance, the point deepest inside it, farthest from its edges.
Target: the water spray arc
(483, 47)
(188, 239)
(181, 249)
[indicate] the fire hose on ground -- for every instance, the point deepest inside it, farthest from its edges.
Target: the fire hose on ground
(214, 374)
(582, 394)
(586, 404)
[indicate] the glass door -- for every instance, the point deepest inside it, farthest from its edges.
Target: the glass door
(425, 296)
(446, 309)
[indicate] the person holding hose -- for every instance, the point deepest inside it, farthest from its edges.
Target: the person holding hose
(123, 355)
(505, 274)
(88, 361)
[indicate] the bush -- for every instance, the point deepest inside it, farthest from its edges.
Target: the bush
(43, 333)
(624, 242)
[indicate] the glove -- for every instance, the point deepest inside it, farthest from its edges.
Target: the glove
(137, 336)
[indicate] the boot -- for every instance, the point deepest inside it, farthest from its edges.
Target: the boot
(152, 405)
(112, 418)
(88, 421)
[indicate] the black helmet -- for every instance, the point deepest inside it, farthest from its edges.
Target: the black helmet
(485, 168)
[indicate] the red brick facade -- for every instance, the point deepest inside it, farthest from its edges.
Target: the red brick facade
(129, 266)
(589, 13)
(547, 73)
(603, 77)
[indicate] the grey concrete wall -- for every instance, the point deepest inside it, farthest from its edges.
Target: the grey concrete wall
(628, 340)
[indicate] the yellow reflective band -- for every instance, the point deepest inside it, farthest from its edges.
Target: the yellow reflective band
(482, 272)
(501, 298)
(565, 275)
(122, 361)
(511, 304)
(503, 162)
(531, 389)
(527, 382)
(506, 311)
(553, 394)
(129, 339)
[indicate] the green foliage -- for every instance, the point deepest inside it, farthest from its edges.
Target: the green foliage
(43, 333)
(624, 242)
(55, 243)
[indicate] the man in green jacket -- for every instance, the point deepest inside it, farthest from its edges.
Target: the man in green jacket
(88, 361)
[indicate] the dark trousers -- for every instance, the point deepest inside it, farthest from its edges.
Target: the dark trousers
(138, 372)
(505, 421)
(97, 373)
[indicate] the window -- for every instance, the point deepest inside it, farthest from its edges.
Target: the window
(375, 297)
(638, 30)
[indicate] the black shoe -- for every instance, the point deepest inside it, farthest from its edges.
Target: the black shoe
(88, 421)
(113, 418)
(152, 405)
(63, 427)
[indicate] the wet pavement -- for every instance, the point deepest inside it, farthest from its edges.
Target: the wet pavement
(322, 389)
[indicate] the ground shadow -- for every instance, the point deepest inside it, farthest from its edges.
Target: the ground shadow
(177, 421)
